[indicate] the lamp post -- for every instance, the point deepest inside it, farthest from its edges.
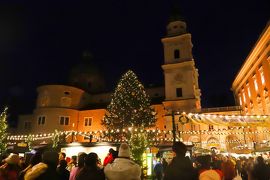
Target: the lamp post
(173, 127)
(172, 114)
(72, 134)
(183, 119)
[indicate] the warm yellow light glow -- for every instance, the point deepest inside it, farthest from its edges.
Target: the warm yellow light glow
(240, 100)
(255, 83)
(262, 75)
(244, 97)
(149, 164)
(248, 89)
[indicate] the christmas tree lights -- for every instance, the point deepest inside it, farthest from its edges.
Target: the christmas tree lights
(3, 131)
(130, 108)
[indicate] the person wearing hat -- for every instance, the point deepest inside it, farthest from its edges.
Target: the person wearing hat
(181, 166)
(122, 167)
(10, 170)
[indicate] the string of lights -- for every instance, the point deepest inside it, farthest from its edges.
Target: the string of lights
(99, 134)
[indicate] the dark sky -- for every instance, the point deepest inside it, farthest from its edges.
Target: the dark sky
(40, 41)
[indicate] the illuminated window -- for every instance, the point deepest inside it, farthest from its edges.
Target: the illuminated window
(88, 121)
(41, 120)
(240, 99)
(64, 120)
(176, 54)
(262, 75)
(248, 89)
(255, 82)
(244, 97)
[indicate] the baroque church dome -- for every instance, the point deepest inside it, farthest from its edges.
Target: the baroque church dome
(87, 75)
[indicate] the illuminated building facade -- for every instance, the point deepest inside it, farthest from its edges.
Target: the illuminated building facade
(78, 112)
(252, 83)
(69, 108)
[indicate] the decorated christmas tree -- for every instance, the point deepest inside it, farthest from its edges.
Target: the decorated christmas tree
(3, 131)
(130, 105)
(130, 108)
(55, 139)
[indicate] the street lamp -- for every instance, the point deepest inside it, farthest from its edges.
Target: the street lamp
(172, 114)
(72, 134)
(173, 127)
(183, 119)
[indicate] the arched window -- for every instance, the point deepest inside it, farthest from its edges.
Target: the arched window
(176, 54)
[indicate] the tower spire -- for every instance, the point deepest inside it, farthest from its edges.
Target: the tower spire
(181, 76)
(176, 23)
(175, 14)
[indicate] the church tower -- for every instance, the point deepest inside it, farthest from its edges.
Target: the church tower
(182, 91)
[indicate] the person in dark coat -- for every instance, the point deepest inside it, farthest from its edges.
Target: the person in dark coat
(181, 166)
(164, 164)
(260, 170)
(62, 171)
(91, 171)
(243, 171)
(228, 169)
(158, 169)
(46, 170)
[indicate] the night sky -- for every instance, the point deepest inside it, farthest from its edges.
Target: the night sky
(40, 42)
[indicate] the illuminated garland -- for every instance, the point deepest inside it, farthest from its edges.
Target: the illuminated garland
(98, 135)
(215, 119)
(229, 120)
(196, 118)
(157, 132)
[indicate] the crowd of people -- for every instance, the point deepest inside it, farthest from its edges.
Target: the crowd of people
(50, 165)
(212, 167)
(117, 165)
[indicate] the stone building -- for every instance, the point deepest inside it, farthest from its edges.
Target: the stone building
(77, 109)
(252, 83)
